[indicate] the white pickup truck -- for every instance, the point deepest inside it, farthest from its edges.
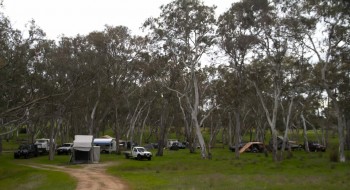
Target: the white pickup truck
(138, 153)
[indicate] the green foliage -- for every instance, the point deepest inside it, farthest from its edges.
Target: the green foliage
(12, 143)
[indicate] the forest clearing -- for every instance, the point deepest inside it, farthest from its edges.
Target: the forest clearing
(257, 97)
(183, 170)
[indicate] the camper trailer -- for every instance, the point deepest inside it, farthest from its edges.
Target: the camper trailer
(107, 145)
(83, 150)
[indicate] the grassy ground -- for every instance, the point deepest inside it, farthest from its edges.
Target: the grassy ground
(182, 170)
(15, 174)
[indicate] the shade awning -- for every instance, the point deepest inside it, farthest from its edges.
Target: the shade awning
(83, 142)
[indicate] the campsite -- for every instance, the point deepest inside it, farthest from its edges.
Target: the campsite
(254, 95)
(177, 170)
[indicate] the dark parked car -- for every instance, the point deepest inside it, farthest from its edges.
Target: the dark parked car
(155, 145)
(181, 145)
(316, 147)
(174, 146)
(292, 144)
(26, 151)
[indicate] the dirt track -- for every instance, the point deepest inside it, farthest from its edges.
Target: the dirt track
(90, 176)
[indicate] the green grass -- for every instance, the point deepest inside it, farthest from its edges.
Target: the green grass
(14, 174)
(182, 170)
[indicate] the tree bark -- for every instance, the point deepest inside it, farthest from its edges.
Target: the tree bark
(340, 119)
(272, 122)
(230, 141)
(214, 131)
(347, 137)
(117, 130)
(144, 123)
(305, 133)
(92, 117)
(285, 137)
(195, 120)
(163, 129)
(188, 128)
(237, 132)
(100, 121)
(52, 138)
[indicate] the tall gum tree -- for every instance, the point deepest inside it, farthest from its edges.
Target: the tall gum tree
(273, 52)
(237, 33)
(324, 28)
(185, 30)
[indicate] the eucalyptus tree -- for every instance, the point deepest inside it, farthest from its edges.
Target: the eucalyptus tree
(298, 92)
(251, 31)
(323, 27)
(54, 66)
(275, 48)
(13, 71)
(210, 85)
(22, 88)
(126, 62)
(73, 72)
(69, 80)
(80, 66)
(164, 105)
(36, 80)
(237, 31)
(45, 85)
(95, 56)
(184, 31)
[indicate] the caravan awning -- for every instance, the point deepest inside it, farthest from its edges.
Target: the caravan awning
(83, 142)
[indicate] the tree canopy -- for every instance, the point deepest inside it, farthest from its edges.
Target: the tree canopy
(273, 65)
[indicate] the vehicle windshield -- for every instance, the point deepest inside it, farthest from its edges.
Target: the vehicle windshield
(140, 149)
(41, 141)
(66, 145)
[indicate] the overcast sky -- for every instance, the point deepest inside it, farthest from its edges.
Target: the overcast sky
(72, 17)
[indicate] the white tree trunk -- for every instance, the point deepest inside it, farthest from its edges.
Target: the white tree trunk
(144, 123)
(195, 120)
(341, 122)
(92, 117)
(230, 130)
(237, 132)
(272, 122)
(285, 137)
(305, 133)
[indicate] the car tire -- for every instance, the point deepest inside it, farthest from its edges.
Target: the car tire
(139, 157)
(149, 158)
